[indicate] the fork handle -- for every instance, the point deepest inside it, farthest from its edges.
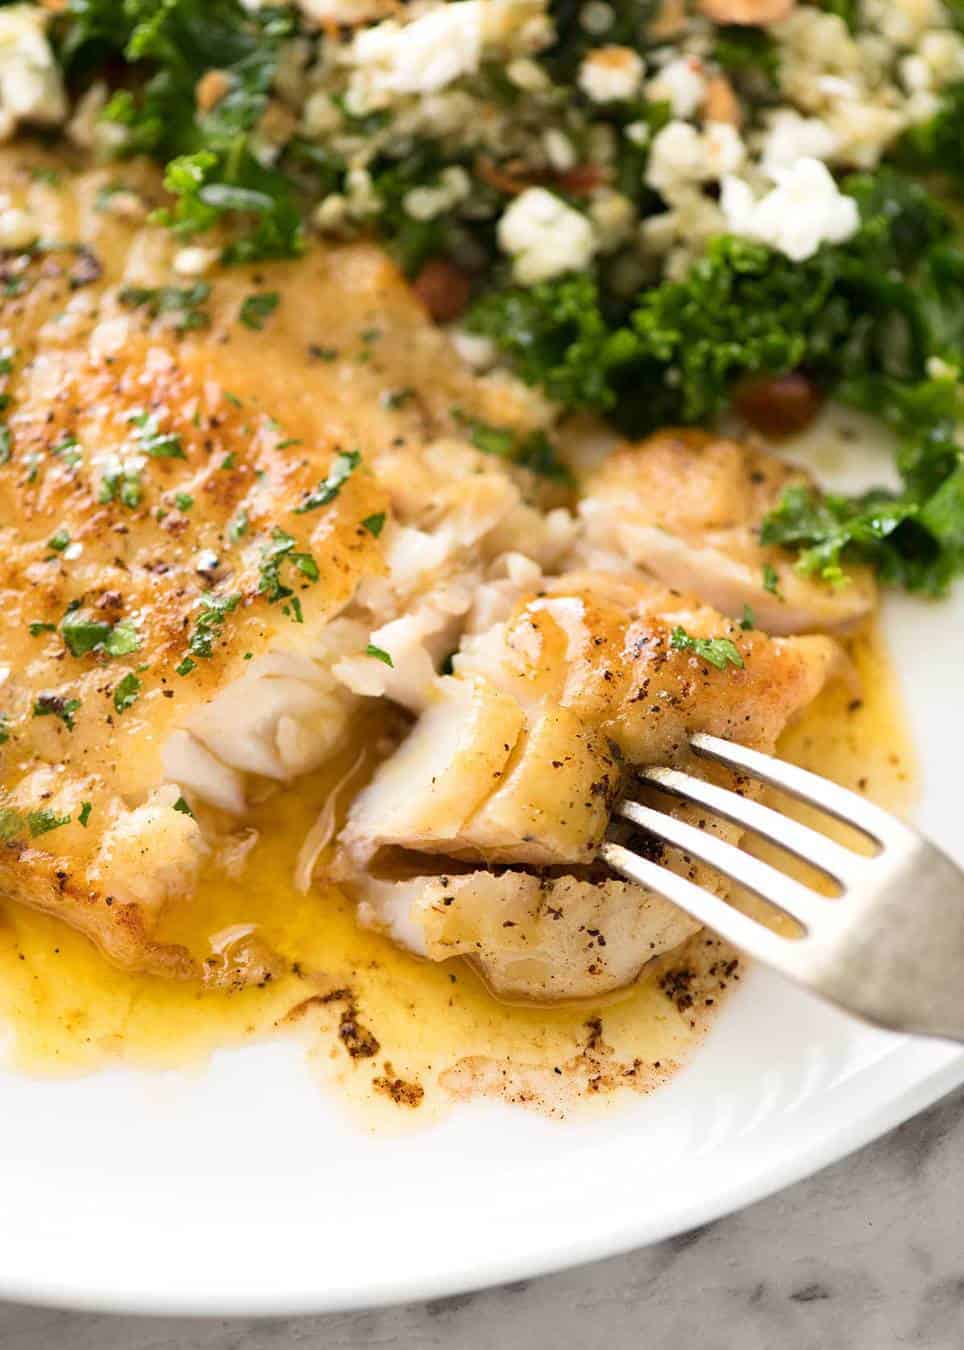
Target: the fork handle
(897, 955)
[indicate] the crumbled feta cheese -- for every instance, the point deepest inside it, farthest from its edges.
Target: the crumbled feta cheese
(476, 351)
(417, 57)
(527, 75)
(194, 260)
(544, 236)
(611, 74)
(31, 89)
(560, 151)
(791, 137)
(613, 216)
(596, 18)
(676, 157)
(681, 84)
(18, 228)
(681, 155)
(425, 203)
(805, 209)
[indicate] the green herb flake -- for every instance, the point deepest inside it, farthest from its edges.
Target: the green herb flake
(52, 705)
(748, 622)
(155, 443)
(257, 308)
(374, 524)
(183, 501)
(184, 302)
(379, 654)
(328, 489)
(37, 628)
(6, 447)
(771, 582)
(121, 483)
(238, 527)
(11, 824)
(229, 462)
(182, 806)
(84, 814)
(126, 692)
(59, 541)
(82, 634)
(42, 822)
(214, 611)
(280, 550)
(719, 651)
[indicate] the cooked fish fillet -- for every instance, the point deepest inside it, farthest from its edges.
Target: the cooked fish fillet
(516, 763)
(687, 506)
(190, 493)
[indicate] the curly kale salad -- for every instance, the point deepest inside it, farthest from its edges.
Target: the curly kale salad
(651, 209)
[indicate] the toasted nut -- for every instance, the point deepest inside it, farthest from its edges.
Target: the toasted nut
(720, 103)
(669, 22)
(746, 11)
(443, 289)
(211, 89)
(779, 405)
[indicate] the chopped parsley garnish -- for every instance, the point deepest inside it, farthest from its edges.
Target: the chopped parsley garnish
(230, 461)
(771, 581)
(6, 450)
(749, 619)
(121, 483)
(184, 302)
(238, 527)
(52, 705)
(374, 524)
(42, 822)
(68, 450)
(59, 541)
(214, 611)
(185, 666)
(257, 308)
(379, 654)
(11, 824)
(126, 692)
(328, 489)
(37, 628)
(719, 651)
(84, 814)
(182, 806)
(533, 450)
(157, 444)
(4, 731)
(122, 639)
(183, 501)
(83, 634)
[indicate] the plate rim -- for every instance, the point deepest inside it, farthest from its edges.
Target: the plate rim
(549, 1258)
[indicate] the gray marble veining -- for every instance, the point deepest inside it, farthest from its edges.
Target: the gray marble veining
(868, 1255)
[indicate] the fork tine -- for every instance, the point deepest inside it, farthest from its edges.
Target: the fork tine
(708, 909)
(775, 887)
(840, 863)
(836, 801)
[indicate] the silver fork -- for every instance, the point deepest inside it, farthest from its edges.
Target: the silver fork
(890, 948)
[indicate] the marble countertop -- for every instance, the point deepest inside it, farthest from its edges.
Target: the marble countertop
(868, 1255)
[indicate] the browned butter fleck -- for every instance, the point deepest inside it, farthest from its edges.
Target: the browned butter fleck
(402, 1037)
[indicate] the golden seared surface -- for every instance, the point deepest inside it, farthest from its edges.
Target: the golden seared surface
(160, 436)
(688, 505)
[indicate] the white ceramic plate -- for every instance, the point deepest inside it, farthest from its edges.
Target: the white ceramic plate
(242, 1190)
